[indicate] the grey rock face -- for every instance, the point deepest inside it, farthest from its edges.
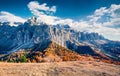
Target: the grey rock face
(31, 35)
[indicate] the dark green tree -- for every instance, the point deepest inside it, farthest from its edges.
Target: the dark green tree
(22, 59)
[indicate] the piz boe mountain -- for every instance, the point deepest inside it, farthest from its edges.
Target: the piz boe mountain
(37, 36)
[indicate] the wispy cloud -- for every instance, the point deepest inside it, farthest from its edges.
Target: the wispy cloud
(41, 9)
(8, 17)
(106, 21)
(109, 17)
(43, 12)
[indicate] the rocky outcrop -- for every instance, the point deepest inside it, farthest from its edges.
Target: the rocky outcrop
(35, 36)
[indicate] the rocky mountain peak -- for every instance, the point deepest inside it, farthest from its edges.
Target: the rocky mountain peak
(32, 21)
(35, 36)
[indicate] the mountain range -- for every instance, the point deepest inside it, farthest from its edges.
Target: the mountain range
(38, 36)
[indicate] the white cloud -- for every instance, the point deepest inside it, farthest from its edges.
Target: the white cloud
(105, 21)
(43, 12)
(40, 9)
(106, 16)
(8, 17)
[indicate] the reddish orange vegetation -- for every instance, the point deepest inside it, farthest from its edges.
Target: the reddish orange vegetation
(56, 53)
(111, 61)
(64, 54)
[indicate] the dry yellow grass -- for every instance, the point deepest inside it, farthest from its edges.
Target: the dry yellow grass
(74, 68)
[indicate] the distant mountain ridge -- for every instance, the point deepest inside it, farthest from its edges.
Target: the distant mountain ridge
(37, 36)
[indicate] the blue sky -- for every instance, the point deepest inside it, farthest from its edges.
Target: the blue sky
(100, 16)
(75, 9)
